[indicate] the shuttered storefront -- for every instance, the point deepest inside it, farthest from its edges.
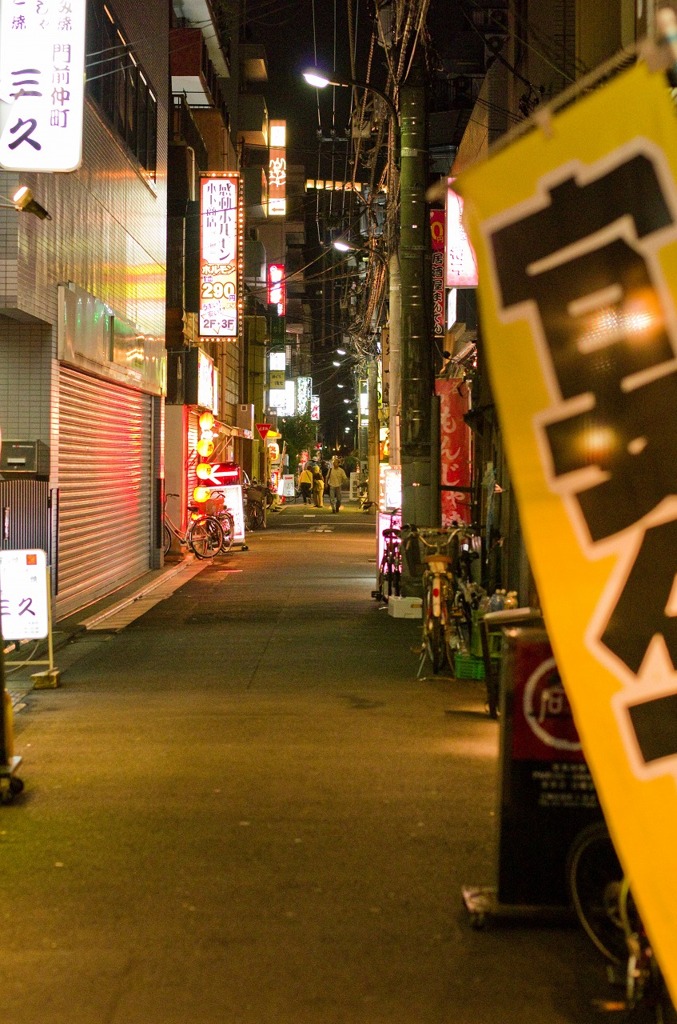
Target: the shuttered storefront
(104, 488)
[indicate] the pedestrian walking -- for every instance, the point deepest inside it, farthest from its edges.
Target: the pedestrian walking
(336, 479)
(306, 484)
(318, 486)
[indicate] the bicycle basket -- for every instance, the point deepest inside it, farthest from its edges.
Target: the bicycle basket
(212, 506)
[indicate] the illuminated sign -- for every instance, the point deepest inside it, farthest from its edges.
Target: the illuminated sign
(277, 169)
(221, 248)
(304, 390)
(315, 407)
(42, 81)
(277, 373)
(277, 291)
(437, 245)
(461, 265)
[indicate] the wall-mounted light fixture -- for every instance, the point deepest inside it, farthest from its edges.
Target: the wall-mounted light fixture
(24, 201)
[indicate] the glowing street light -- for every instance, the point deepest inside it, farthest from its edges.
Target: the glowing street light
(318, 79)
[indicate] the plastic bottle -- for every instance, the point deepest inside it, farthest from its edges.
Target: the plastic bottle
(496, 601)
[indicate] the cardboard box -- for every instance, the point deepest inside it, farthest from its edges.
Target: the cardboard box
(405, 607)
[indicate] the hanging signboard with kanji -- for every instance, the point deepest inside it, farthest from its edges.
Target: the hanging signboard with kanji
(575, 230)
(42, 84)
(221, 255)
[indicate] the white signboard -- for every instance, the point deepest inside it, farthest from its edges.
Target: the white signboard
(315, 407)
(232, 498)
(220, 251)
(23, 595)
(42, 84)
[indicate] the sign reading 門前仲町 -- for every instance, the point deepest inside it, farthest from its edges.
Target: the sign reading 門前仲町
(42, 82)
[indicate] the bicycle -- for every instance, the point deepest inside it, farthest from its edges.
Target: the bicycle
(216, 506)
(390, 567)
(601, 897)
(203, 535)
(442, 616)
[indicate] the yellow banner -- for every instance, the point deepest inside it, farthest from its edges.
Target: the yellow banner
(575, 230)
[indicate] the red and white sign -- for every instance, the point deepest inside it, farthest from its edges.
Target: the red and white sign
(455, 452)
(222, 473)
(437, 218)
(543, 724)
(277, 292)
(24, 605)
(263, 429)
(221, 248)
(277, 169)
(461, 263)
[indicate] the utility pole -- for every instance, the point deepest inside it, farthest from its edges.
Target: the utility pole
(415, 342)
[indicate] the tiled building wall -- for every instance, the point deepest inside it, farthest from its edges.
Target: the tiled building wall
(107, 234)
(25, 380)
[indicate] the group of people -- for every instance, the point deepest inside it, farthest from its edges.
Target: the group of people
(312, 483)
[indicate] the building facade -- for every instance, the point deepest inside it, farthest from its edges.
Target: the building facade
(82, 296)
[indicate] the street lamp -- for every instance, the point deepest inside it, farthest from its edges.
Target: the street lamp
(318, 79)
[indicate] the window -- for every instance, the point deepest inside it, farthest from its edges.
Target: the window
(119, 87)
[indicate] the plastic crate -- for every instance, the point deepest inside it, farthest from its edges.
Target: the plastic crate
(468, 667)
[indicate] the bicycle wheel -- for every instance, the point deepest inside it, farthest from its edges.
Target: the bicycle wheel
(436, 645)
(594, 877)
(166, 538)
(254, 515)
(205, 537)
(397, 573)
(228, 526)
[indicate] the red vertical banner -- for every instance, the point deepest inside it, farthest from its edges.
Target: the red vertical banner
(455, 452)
(437, 218)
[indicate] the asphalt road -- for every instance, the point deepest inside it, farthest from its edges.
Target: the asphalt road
(244, 808)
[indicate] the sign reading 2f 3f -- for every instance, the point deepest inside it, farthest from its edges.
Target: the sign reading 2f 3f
(42, 60)
(221, 247)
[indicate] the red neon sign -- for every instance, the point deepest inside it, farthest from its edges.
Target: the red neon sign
(277, 292)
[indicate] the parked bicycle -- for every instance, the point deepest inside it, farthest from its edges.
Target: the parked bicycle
(390, 567)
(603, 902)
(257, 501)
(443, 618)
(203, 534)
(216, 506)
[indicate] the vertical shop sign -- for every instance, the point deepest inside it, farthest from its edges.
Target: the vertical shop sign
(455, 452)
(221, 249)
(461, 265)
(437, 246)
(42, 84)
(277, 288)
(304, 390)
(277, 169)
(315, 408)
(575, 229)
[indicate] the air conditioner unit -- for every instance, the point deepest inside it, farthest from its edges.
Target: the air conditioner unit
(245, 417)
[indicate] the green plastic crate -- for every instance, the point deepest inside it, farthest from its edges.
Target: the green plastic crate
(468, 667)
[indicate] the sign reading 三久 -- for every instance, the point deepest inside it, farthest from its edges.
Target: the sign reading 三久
(42, 62)
(24, 595)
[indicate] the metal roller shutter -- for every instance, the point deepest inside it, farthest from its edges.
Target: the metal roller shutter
(104, 488)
